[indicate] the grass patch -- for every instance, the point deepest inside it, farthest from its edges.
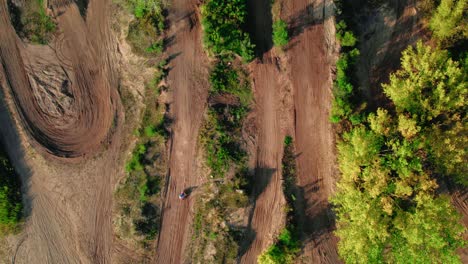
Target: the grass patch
(32, 22)
(221, 138)
(145, 33)
(212, 228)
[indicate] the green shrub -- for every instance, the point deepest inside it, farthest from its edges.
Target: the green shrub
(144, 33)
(283, 251)
(346, 38)
(449, 20)
(222, 23)
(387, 205)
(343, 88)
(280, 33)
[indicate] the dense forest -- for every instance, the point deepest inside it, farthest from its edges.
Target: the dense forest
(389, 203)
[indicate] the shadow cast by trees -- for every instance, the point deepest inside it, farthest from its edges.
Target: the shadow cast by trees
(263, 176)
(259, 25)
(309, 16)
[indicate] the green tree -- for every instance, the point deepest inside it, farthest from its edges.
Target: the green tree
(430, 84)
(450, 19)
(429, 94)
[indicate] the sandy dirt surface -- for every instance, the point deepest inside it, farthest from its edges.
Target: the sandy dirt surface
(188, 79)
(311, 64)
(308, 68)
(268, 214)
(65, 104)
(62, 91)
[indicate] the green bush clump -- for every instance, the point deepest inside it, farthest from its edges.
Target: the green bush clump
(283, 251)
(135, 163)
(10, 196)
(386, 203)
(343, 89)
(345, 37)
(144, 34)
(280, 33)
(220, 138)
(224, 78)
(223, 23)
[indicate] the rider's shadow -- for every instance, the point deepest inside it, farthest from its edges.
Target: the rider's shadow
(189, 190)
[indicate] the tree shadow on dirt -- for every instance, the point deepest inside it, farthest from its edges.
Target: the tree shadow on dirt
(315, 220)
(9, 138)
(262, 179)
(82, 6)
(307, 17)
(259, 25)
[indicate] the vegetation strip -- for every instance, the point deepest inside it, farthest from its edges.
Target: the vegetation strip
(138, 201)
(287, 245)
(217, 235)
(388, 205)
(10, 196)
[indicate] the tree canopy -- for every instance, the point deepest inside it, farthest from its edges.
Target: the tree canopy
(387, 207)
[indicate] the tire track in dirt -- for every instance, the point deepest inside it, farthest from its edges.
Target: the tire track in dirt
(188, 80)
(310, 73)
(87, 84)
(69, 200)
(267, 215)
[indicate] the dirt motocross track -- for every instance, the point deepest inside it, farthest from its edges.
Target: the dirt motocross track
(64, 102)
(72, 117)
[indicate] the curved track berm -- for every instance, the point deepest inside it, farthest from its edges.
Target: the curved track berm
(63, 91)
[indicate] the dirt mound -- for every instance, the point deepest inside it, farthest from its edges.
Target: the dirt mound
(62, 91)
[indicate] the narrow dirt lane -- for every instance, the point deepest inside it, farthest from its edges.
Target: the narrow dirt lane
(187, 78)
(267, 214)
(311, 78)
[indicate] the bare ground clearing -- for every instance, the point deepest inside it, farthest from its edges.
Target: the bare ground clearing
(188, 79)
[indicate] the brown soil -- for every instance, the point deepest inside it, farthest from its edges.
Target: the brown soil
(311, 55)
(268, 214)
(63, 91)
(309, 71)
(188, 80)
(63, 100)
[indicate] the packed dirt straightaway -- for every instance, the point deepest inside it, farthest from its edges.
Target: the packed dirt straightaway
(306, 71)
(188, 78)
